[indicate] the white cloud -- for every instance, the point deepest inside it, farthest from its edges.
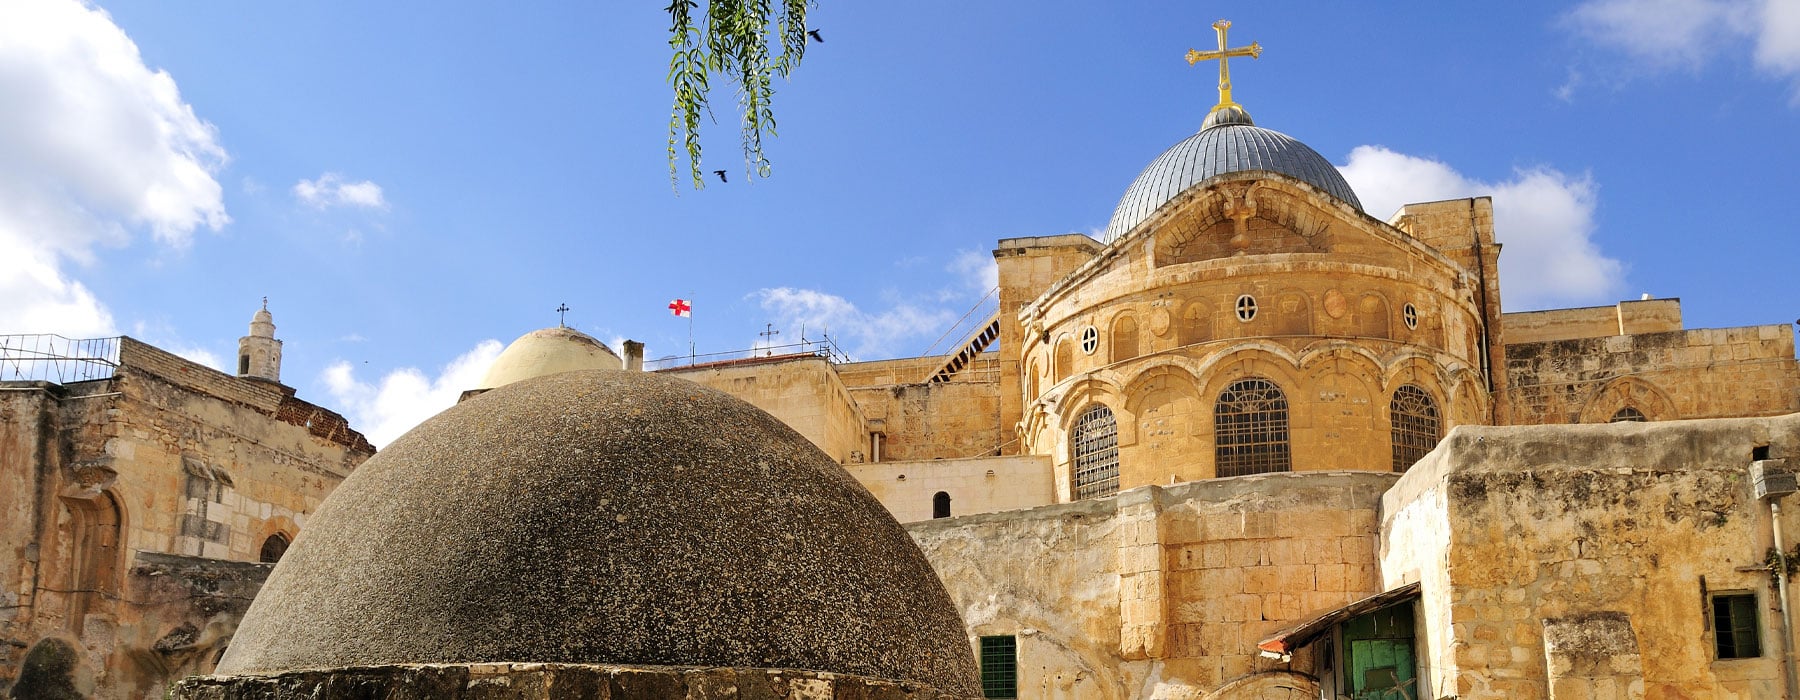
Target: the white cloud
(94, 147)
(976, 270)
(330, 190)
(404, 398)
(864, 335)
(1543, 216)
(1685, 35)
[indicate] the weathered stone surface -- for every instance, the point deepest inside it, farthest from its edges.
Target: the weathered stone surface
(606, 517)
(560, 681)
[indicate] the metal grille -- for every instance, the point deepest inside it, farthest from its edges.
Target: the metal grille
(53, 358)
(1000, 667)
(1250, 429)
(1415, 419)
(1095, 446)
(1735, 633)
(1629, 414)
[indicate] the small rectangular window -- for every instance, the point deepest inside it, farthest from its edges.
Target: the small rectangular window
(1000, 667)
(1735, 628)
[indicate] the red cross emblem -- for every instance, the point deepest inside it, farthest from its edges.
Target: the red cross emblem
(681, 307)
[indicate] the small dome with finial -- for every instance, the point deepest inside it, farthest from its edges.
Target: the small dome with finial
(1228, 142)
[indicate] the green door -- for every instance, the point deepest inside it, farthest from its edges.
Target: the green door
(1378, 651)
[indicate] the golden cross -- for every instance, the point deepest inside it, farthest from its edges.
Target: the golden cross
(1254, 50)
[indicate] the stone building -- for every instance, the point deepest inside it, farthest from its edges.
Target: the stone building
(1201, 457)
(142, 497)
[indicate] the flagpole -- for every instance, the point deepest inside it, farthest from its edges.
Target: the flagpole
(690, 337)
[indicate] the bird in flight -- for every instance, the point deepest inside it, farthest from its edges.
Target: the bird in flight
(815, 36)
(721, 175)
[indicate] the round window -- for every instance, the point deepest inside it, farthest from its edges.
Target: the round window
(1090, 340)
(1246, 307)
(1410, 315)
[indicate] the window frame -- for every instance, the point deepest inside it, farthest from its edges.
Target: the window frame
(1257, 438)
(1094, 459)
(1743, 603)
(1408, 438)
(998, 659)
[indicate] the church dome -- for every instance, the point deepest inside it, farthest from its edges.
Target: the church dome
(1227, 143)
(548, 351)
(606, 517)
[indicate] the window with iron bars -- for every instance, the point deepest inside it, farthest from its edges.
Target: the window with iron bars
(1000, 667)
(1094, 447)
(1629, 414)
(1414, 416)
(1250, 429)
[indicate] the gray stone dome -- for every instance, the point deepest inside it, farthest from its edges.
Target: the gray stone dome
(606, 517)
(1227, 143)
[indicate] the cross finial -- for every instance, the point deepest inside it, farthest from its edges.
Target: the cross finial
(1194, 56)
(768, 335)
(561, 310)
(265, 303)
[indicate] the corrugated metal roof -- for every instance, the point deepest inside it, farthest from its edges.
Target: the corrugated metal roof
(1225, 145)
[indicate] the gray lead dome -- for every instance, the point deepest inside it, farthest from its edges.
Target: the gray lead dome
(606, 517)
(1227, 143)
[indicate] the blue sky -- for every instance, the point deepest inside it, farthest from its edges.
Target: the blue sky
(414, 184)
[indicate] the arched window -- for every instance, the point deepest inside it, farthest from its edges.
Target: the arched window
(940, 505)
(1250, 429)
(1415, 419)
(273, 548)
(1629, 414)
(1094, 447)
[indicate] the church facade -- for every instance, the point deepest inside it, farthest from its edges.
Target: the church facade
(1258, 443)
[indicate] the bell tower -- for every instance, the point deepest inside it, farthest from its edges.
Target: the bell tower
(259, 354)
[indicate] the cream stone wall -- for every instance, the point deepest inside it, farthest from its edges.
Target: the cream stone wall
(1711, 373)
(803, 391)
(937, 420)
(164, 457)
(1577, 561)
(1624, 318)
(974, 485)
(1161, 591)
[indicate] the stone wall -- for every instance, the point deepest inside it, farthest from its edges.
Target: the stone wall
(526, 681)
(165, 457)
(802, 391)
(937, 420)
(1161, 592)
(1624, 318)
(1711, 373)
(976, 485)
(1578, 561)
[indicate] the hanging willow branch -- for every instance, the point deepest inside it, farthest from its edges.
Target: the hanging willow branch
(732, 39)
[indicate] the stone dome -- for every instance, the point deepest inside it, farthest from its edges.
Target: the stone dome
(606, 517)
(548, 351)
(1228, 142)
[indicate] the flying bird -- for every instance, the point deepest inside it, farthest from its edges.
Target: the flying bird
(815, 36)
(721, 175)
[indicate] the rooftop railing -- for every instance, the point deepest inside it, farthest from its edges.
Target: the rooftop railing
(47, 357)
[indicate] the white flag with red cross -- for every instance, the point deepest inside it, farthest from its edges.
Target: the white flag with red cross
(682, 308)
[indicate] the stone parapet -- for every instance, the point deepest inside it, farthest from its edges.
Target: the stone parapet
(530, 680)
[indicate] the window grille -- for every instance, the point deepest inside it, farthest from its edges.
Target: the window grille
(1000, 667)
(1095, 449)
(1410, 314)
(1250, 429)
(1629, 414)
(1735, 629)
(1090, 340)
(1415, 425)
(1246, 307)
